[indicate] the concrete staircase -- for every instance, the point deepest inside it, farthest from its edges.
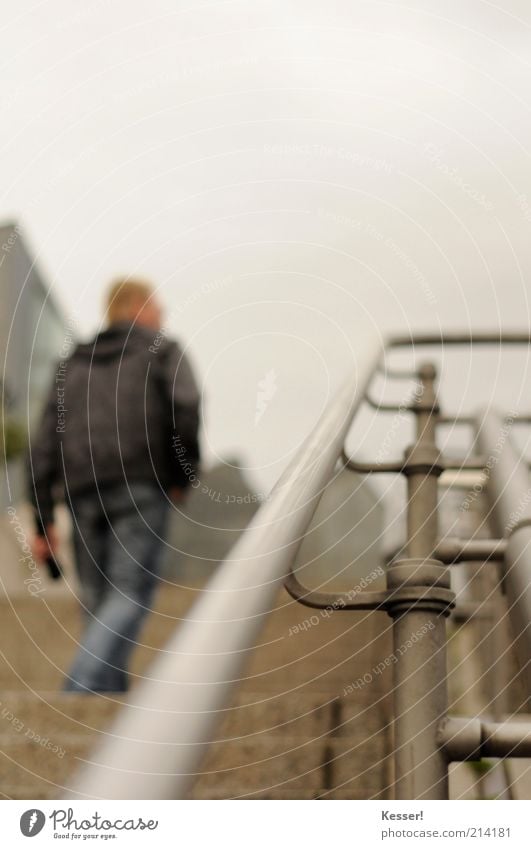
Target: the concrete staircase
(296, 728)
(291, 732)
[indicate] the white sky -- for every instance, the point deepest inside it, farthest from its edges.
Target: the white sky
(293, 175)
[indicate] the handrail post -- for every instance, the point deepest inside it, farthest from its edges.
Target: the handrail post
(419, 626)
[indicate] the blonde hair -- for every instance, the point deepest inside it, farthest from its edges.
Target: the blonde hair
(126, 295)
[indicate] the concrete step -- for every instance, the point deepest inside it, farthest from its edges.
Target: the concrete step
(39, 636)
(269, 763)
(339, 735)
(268, 744)
(355, 764)
(295, 729)
(304, 714)
(356, 767)
(54, 713)
(45, 766)
(31, 791)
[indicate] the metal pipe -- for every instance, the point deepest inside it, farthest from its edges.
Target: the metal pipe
(455, 550)
(368, 600)
(464, 338)
(420, 690)
(422, 513)
(508, 488)
(154, 749)
(419, 703)
(506, 739)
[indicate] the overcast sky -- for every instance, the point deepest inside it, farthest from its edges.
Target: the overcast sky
(293, 176)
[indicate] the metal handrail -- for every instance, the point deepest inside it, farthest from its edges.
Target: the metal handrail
(458, 338)
(156, 744)
(509, 490)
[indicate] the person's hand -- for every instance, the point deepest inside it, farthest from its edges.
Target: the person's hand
(177, 495)
(45, 546)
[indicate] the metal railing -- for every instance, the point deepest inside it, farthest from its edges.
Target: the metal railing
(156, 745)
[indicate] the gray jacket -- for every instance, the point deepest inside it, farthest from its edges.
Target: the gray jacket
(124, 407)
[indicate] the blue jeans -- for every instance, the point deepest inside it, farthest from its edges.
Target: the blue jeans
(118, 542)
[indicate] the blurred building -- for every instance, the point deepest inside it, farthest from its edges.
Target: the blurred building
(32, 338)
(342, 548)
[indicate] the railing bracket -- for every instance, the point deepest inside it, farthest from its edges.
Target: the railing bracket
(470, 739)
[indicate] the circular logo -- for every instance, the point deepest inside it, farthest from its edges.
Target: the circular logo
(32, 822)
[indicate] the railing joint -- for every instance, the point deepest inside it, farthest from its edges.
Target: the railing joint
(455, 550)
